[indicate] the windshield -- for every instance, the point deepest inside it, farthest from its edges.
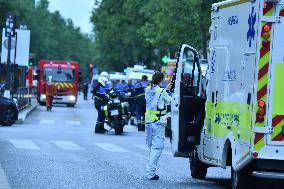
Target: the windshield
(59, 74)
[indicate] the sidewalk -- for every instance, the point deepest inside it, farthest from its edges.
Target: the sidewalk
(23, 114)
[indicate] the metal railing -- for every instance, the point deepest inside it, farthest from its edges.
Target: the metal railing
(23, 97)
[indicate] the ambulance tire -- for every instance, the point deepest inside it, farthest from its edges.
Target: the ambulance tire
(241, 179)
(198, 169)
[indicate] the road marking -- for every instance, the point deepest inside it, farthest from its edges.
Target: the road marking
(24, 144)
(67, 145)
(72, 122)
(111, 147)
(4, 184)
(130, 127)
(144, 147)
(47, 121)
(44, 144)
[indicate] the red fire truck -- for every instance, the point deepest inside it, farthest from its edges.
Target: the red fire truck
(65, 75)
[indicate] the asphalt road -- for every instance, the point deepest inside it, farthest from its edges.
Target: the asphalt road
(59, 149)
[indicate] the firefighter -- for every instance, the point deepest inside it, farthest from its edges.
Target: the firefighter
(140, 102)
(100, 100)
(157, 100)
(50, 92)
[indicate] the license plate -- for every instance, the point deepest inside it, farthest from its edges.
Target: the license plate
(114, 112)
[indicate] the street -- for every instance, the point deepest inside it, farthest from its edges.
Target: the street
(59, 149)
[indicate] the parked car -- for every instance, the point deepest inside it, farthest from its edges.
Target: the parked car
(8, 111)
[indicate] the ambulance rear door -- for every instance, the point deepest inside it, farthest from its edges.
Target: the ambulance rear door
(274, 29)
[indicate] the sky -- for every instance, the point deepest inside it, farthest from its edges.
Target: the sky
(78, 10)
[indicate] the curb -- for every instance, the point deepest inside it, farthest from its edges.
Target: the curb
(26, 114)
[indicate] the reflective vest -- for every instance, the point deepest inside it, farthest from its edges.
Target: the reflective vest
(100, 95)
(50, 89)
(153, 99)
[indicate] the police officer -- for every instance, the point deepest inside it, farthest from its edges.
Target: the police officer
(100, 93)
(141, 102)
(157, 100)
(85, 89)
(120, 86)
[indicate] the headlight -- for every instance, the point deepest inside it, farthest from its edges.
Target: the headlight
(72, 98)
(43, 96)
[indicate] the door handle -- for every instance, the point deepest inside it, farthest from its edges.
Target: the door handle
(248, 98)
(249, 53)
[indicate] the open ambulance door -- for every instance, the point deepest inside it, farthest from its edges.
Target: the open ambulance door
(188, 103)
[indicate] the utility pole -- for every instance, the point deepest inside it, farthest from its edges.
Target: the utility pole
(9, 33)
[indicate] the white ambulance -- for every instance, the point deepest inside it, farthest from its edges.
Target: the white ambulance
(240, 120)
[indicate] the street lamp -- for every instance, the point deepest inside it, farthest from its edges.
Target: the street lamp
(23, 26)
(10, 25)
(150, 53)
(9, 33)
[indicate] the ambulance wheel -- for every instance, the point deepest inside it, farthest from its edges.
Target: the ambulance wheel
(241, 179)
(198, 169)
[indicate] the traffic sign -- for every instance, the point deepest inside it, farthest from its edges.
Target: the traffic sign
(13, 43)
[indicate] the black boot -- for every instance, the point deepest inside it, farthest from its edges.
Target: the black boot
(141, 127)
(100, 129)
(156, 177)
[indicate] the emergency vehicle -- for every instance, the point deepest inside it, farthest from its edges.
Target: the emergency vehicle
(65, 75)
(169, 69)
(240, 120)
(136, 73)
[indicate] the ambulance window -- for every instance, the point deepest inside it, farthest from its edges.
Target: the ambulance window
(187, 66)
(190, 72)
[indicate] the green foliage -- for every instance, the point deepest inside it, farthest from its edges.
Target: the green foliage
(118, 43)
(126, 30)
(52, 37)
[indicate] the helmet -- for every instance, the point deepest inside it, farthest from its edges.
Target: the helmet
(49, 80)
(104, 74)
(102, 81)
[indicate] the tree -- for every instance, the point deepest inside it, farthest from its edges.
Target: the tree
(118, 42)
(52, 37)
(124, 30)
